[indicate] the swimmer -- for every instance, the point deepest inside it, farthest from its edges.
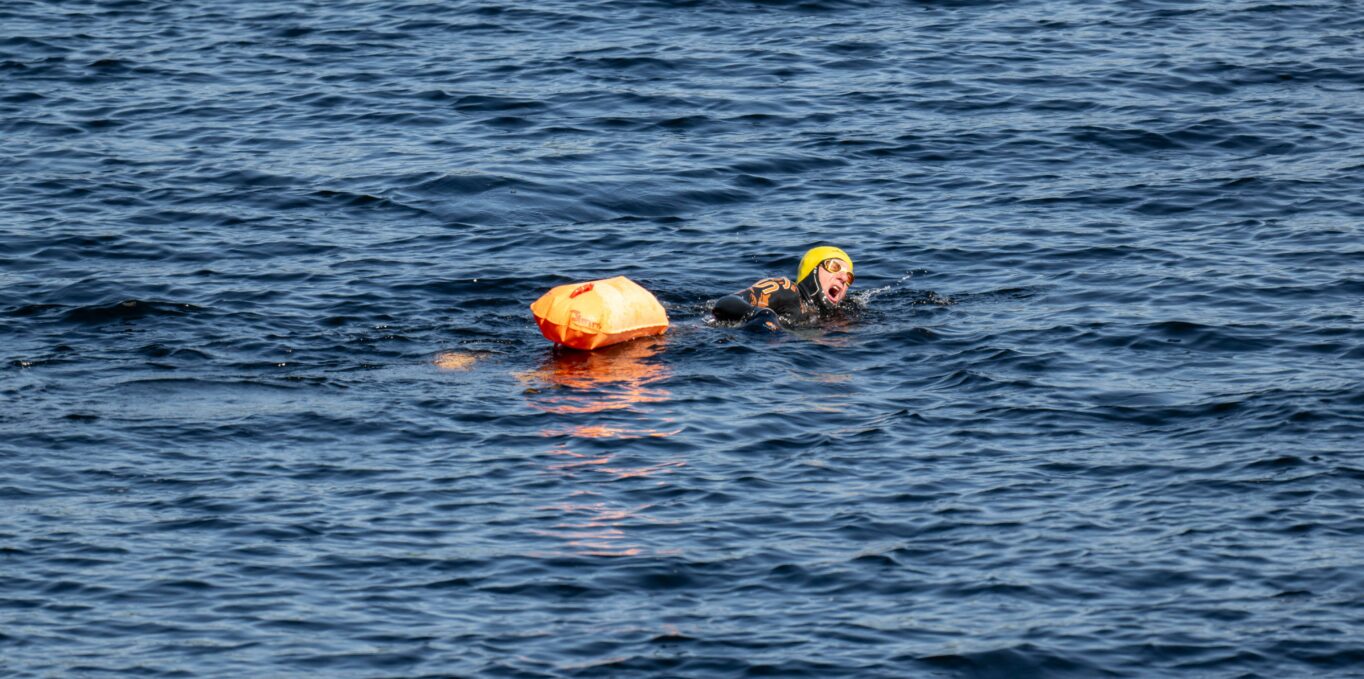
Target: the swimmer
(822, 283)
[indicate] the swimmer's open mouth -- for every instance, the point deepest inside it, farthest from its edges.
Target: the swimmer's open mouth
(834, 291)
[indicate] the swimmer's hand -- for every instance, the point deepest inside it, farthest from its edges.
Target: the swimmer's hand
(764, 320)
(732, 308)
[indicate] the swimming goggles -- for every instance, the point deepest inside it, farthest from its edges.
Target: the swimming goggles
(837, 266)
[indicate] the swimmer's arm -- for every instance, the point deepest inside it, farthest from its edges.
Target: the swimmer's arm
(741, 305)
(732, 308)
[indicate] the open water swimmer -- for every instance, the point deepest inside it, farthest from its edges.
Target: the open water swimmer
(822, 281)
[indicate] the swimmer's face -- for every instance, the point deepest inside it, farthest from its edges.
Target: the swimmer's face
(834, 280)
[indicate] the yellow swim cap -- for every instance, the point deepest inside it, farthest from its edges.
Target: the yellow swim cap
(819, 254)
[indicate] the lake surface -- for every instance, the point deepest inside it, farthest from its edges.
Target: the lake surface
(274, 404)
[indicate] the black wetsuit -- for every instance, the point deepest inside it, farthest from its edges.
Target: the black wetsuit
(772, 303)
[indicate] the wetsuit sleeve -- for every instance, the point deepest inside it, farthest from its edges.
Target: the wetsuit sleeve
(741, 305)
(775, 294)
(732, 308)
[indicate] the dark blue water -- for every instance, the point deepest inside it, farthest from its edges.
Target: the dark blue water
(274, 404)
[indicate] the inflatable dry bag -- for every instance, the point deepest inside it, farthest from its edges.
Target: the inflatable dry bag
(598, 314)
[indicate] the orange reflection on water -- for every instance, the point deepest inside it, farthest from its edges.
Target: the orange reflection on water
(593, 431)
(601, 396)
(641, 472)
(599, 464)
(599, 528)
(833, 389)
(578, 460)
(599, 431)
(593, 528)
(613, 378)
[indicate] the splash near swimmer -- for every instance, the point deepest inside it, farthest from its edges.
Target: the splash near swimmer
(822, 281)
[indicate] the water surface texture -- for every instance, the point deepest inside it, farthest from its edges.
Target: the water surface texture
(274, 405)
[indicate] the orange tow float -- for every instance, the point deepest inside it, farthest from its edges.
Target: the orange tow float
(599, 313)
